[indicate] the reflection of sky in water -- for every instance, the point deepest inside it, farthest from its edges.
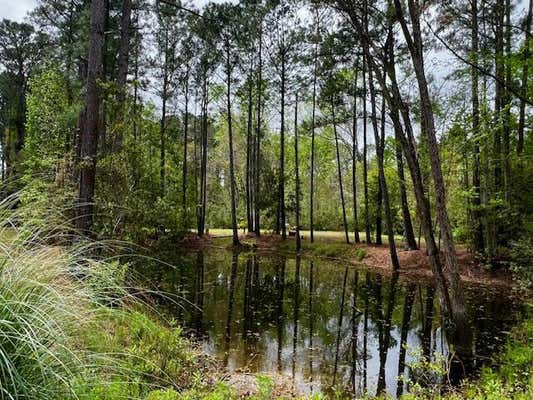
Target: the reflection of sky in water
(266, 349)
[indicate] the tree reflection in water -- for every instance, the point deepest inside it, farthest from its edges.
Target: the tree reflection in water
(349, 327)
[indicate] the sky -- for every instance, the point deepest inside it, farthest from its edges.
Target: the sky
(15, 9)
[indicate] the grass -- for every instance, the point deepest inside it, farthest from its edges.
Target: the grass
(319, 236)
(70, 327)
(327, 244)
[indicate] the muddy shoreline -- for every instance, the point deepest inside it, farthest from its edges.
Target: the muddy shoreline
(413, 263)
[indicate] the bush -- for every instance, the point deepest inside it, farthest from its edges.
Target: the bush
(521, 257)
(69, 329)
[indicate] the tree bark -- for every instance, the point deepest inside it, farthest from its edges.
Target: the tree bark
(499, 12)
(122, 71)
(230, 141)
(381, 170)
(89, 137)
(297, 173)
(368, 237)
(162, 124)
(397, 106)
(507, 105)
(407, 222)
(281, 176)
(477, 227)
(249, 159)
(313, 122)
(525, 76)
(257, 176)
(460, 329)
(339, 173)
(185, 144)
(379, 197)
(203, 159)
(355, 152)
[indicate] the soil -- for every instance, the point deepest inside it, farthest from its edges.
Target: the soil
(413, 263)
(245, 384)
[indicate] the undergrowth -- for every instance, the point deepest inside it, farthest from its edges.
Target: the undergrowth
(71, 325)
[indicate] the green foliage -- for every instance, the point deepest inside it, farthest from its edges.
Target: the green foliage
(49, 125)
(360, 254)
(46, 305)
(265, 386)
(427, 376)
(58, 337)
(512, 377)
(521, 256)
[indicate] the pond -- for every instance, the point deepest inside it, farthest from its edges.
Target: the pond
(320, 323)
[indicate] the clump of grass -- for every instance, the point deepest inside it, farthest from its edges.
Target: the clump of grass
(69, 328)
(330, 249)
(47, 296)
(360, 254)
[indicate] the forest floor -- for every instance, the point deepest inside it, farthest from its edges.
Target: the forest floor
(331, 245)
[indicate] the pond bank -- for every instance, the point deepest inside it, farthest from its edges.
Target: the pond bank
(413, 263)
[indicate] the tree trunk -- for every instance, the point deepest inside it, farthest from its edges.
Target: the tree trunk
(230, 141)
(162, 125)
(135, 106)
(379, 197)
(89, 136)
(499, 11)
(185, 144)
(339, 173)
(313, 121)
(297, 173)
(477, 227)
(525, 76)
(249, 159)
(203, 159)
(355, 152)
(368, 237)
(407, 222)
(380, 144)
(460, 329)
(507, 105)
(102, 129)
(257, 174)
(397, 106)
(282, 152)
(122, 71)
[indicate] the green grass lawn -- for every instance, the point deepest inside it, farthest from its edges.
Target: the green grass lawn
(319, 236)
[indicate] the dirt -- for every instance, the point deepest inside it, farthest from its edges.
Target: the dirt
(413, 263)
(245, 384)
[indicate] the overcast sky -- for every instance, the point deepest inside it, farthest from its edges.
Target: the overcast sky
(16, 9)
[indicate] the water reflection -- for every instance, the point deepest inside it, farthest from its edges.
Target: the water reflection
(320, 323)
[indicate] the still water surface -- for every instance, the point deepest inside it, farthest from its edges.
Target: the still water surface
(320, 323)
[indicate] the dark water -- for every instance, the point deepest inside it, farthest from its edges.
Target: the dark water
(321, 324)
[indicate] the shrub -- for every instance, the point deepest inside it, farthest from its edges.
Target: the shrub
(69, 329)
(521, 256)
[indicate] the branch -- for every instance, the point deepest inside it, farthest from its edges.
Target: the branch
(174, 4)
(482, 70)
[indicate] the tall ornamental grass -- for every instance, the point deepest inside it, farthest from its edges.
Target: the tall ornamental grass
(54, 300)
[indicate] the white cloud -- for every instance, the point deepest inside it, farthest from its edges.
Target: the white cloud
(16, 9)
